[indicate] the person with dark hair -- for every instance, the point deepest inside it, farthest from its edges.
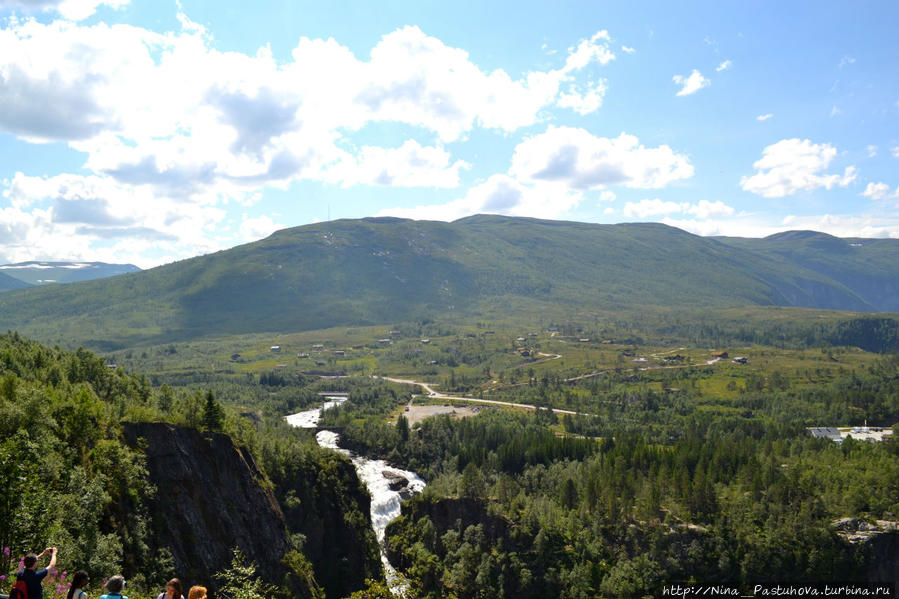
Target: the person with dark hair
(76, 590)
(32, 576)
(114, 585)
(172, 590)
(197, 593)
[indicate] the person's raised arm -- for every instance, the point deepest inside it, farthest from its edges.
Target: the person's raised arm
(52, 563)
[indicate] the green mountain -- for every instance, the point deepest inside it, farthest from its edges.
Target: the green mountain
(42, 273)
(384, 270)
(7, 282)
(869, 267)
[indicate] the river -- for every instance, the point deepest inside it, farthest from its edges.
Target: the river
(377, 476)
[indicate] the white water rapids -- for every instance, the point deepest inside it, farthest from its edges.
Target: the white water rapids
(385, 503)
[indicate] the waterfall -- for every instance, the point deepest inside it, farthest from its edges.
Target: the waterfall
(377, 476)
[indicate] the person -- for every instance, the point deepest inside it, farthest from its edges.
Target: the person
(79, 582)
(172, 590)
(197, 593)
(114, 585)
(32, 576)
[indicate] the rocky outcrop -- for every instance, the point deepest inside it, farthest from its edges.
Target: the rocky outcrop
(209, 499)
(328, 508)
(878, 542)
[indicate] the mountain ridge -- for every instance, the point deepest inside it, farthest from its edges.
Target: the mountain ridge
(34, 272)
(380, 270)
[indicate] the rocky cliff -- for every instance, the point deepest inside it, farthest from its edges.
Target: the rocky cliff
(209, 500)
(328, 509)
(212, 496)
(878, 546)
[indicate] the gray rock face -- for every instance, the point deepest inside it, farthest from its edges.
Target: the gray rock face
(878, 543)
(209, 500)
(394, 480)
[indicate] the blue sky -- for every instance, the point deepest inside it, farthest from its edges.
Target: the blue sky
(147, 131)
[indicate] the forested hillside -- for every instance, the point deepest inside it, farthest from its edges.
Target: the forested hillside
(152, 483)
(7, 283)
(867, 266)
(358, 272)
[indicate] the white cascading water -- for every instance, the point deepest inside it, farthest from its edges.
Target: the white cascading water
(310, 418)
(385, 502)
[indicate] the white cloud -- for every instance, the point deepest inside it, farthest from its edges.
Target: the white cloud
(628, 49)
(724, 66)
(596, 49)
(691, 84)
(500, 194)
(792, 165)
(879, 191)
(846, 60)
(259, 227)
(707, 209)
(848, 225)
(895, 152)
(75, 10)
(607, 196)
(872, 151)
(835, 112)
(169, 109)
(75, 217)
(583, 101)
(865, 226)
(410, 165)
(179, 127)
(583, 161)
(764, 117)
(655, 207)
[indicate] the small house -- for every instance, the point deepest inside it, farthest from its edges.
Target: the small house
(276, 349)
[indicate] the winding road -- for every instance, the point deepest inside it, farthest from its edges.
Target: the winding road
(438, 395)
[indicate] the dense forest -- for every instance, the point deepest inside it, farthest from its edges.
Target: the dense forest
(650, 489)
(673, 464)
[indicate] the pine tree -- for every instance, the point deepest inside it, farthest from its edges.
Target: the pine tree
(213, 413)
(402, 427)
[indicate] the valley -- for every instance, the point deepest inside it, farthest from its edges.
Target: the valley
(598, 435)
